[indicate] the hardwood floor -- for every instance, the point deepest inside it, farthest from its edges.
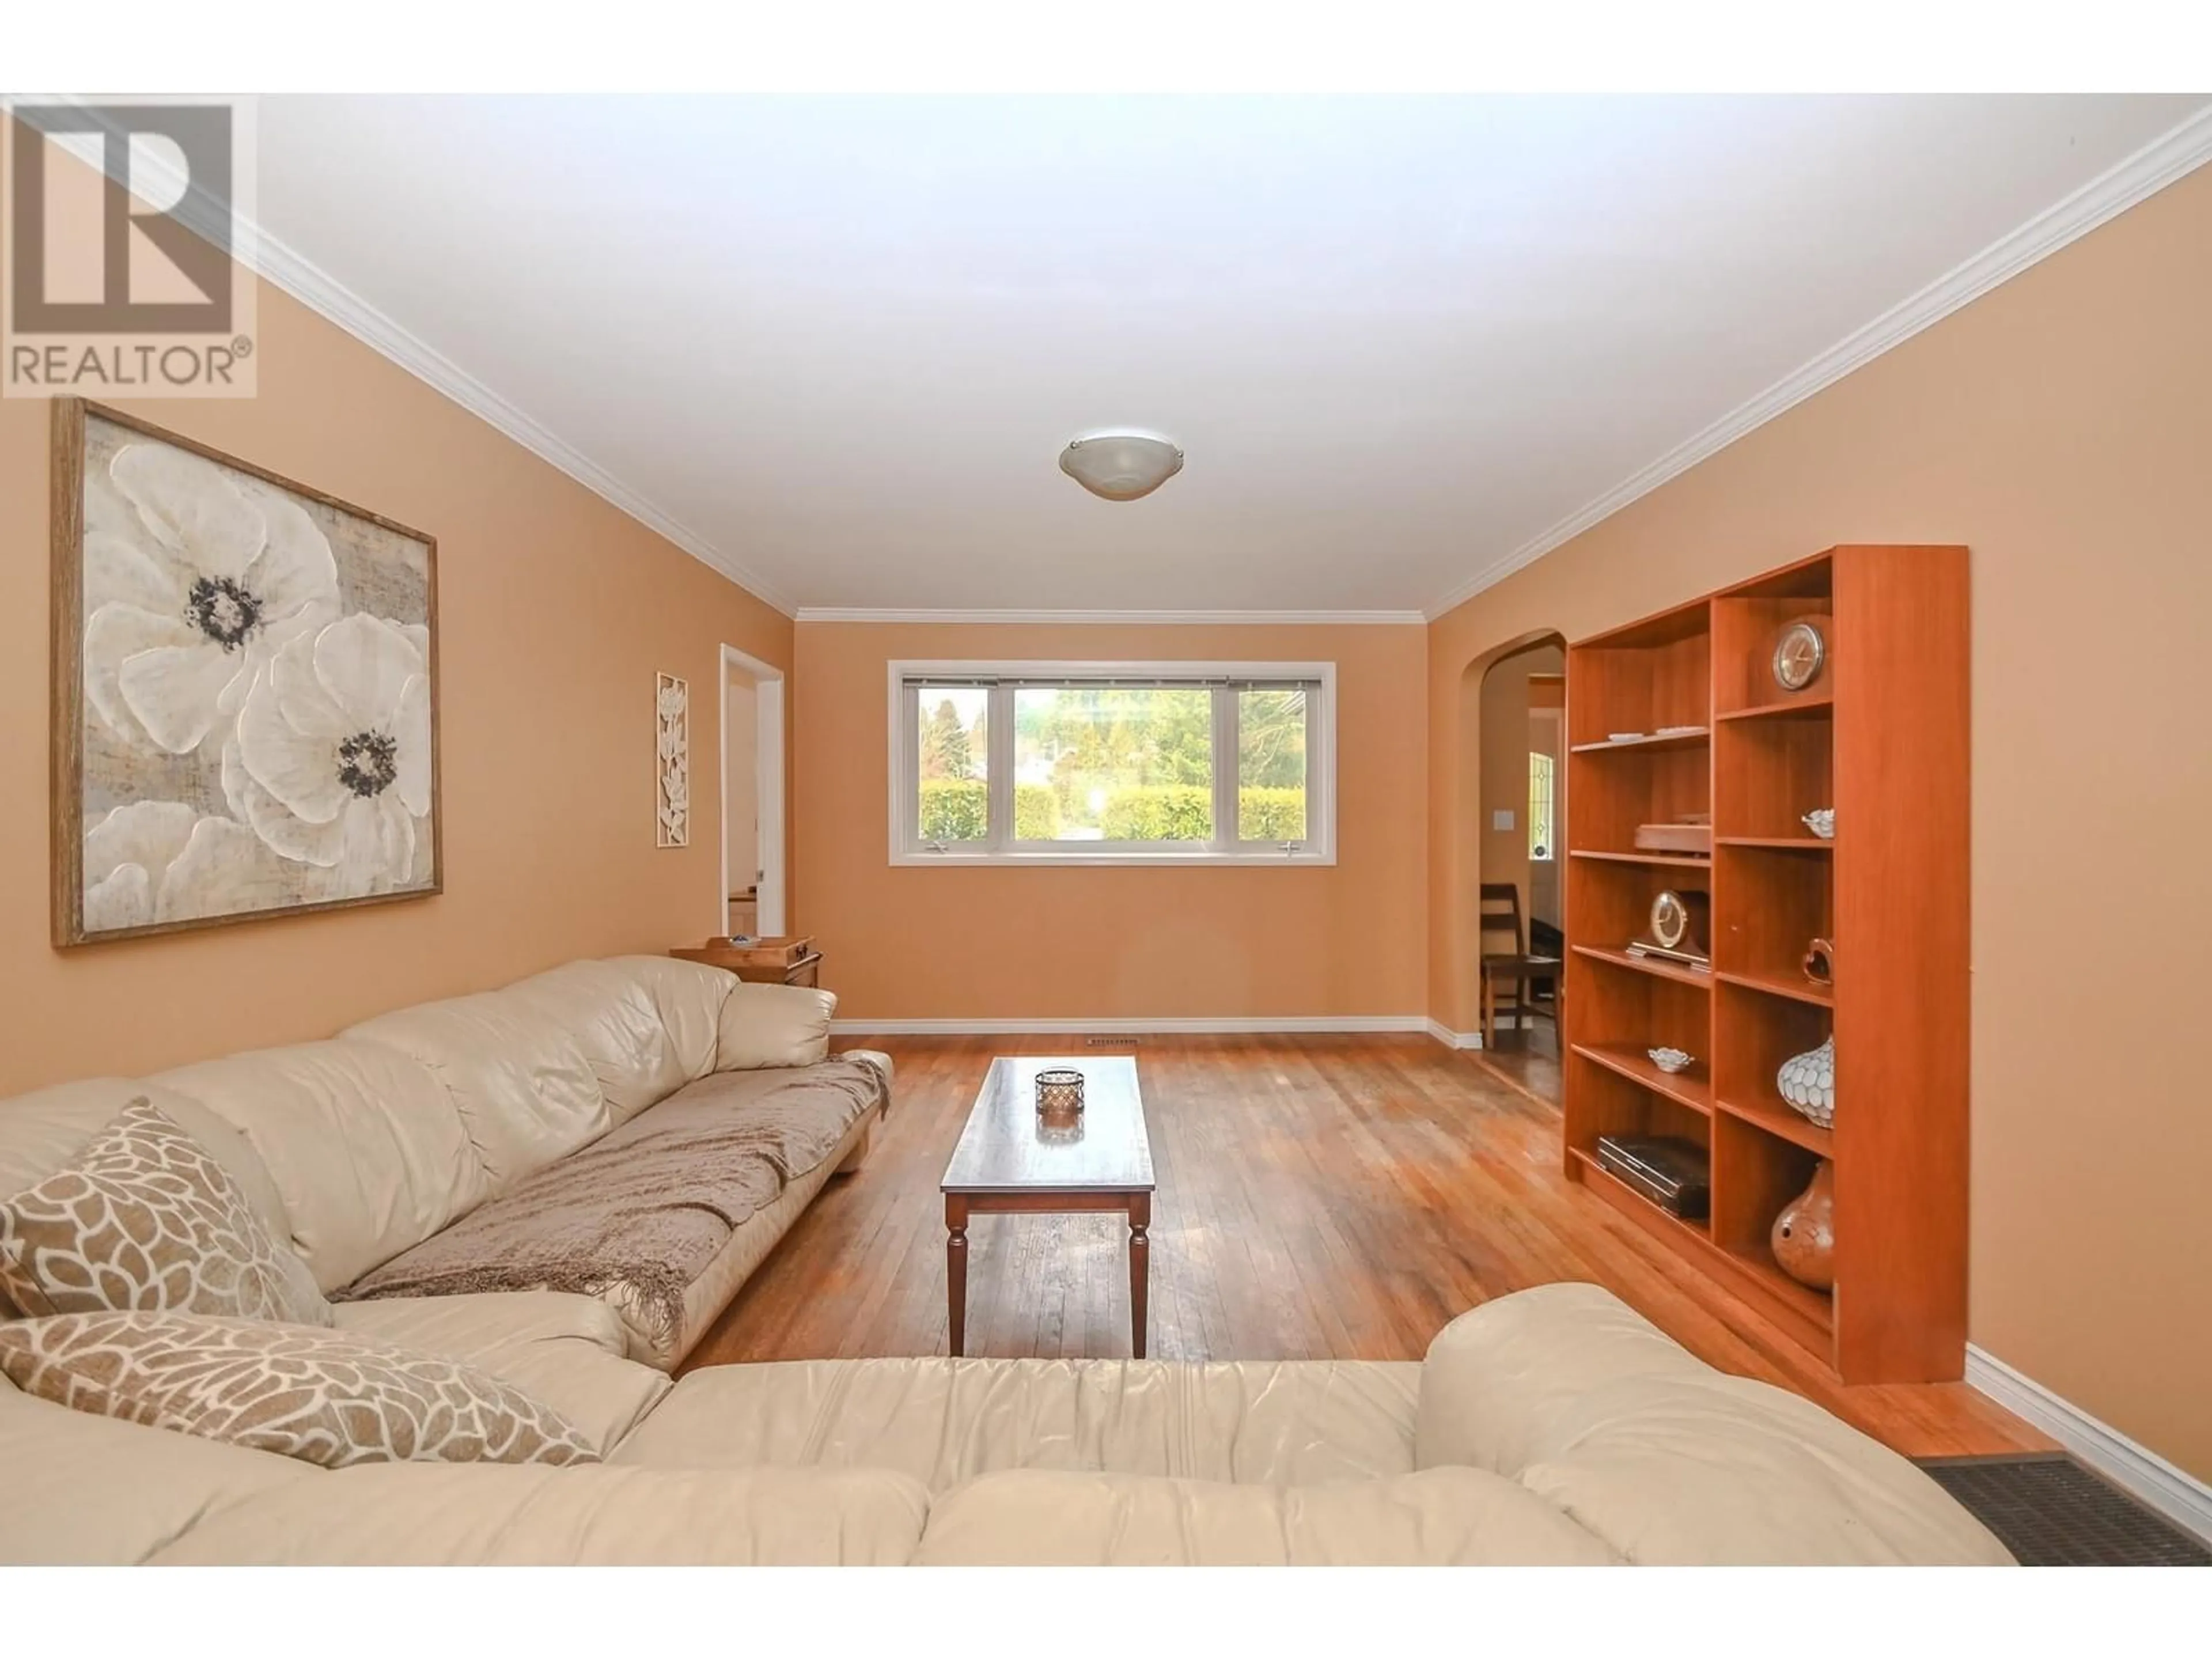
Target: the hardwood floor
(1530, 1061)
(1319, 1197)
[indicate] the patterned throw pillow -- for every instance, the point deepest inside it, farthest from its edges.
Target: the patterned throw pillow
(297, 1390)
(145, 1217)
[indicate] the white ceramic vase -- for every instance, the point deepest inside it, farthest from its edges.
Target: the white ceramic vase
(1808, 1082)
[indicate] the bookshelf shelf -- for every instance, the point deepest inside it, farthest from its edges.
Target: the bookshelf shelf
(1677, 860)
(1814, 1306)
(1809, 705)
(1657, 967)
(1696, 740)
(1692, 1088)
(1777, 1119)
(1773, 985)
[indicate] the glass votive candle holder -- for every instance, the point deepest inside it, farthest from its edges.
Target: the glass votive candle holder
(1059, 1093)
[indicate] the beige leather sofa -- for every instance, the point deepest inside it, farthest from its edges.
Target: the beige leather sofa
(1555, 1426)
(358, 1148)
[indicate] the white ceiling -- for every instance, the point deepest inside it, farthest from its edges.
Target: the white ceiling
(837, 345)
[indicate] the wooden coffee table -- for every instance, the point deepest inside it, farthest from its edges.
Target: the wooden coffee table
(1007, 1162)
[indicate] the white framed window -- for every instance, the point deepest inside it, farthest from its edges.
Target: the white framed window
(1543, 841)
(1113, 762)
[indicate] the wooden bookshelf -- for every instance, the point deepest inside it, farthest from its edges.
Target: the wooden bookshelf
(1881, 736)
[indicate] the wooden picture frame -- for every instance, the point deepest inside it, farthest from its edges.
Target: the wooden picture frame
(219, 633)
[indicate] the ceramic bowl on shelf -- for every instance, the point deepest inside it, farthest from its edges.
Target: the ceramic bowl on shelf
(1821, 822)
(1671, 1060)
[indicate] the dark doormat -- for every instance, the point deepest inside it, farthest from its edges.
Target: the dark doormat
(2050, 1511)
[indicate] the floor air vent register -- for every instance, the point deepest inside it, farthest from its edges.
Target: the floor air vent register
(2050, 1511)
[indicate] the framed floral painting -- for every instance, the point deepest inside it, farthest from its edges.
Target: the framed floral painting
(245, 714)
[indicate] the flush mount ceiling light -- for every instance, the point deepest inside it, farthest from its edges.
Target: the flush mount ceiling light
(1121, 465)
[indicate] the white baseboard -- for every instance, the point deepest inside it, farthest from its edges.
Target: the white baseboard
(2179, 1496)
(1451, 1039)
(1249, 1025)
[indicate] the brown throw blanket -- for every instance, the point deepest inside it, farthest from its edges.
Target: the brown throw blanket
(648, 1206)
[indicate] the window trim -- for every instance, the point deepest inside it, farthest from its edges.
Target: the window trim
(1000, 851)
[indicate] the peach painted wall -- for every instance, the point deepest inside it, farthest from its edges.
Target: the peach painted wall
(1058, 943)
(2062, 427)
(555, 611)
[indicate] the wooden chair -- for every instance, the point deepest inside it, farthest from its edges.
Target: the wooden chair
(1499, 912)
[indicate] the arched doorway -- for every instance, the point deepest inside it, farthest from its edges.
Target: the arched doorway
(1519, 827)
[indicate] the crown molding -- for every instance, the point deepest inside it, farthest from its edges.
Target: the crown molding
(2175, 1493)
(1230, 618)
(276, 262)
(2143, 175)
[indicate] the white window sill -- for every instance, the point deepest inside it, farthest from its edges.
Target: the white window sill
(1123, 861)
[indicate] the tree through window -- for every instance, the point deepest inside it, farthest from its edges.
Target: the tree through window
(953, 799)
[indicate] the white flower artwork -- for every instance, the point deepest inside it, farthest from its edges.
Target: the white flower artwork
(333, 753)
(671, 712)
(248, 724)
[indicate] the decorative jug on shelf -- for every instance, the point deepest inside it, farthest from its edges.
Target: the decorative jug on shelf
(1804, 1237)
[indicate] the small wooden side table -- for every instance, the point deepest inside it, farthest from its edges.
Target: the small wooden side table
(748, 963)
(807, 970)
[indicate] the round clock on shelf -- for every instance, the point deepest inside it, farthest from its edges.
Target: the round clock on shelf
(1801, 651)
(1677, 921)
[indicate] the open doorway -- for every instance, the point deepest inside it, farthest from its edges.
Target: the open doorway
(1547, 807)
(1523, 817)
(752, 796)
